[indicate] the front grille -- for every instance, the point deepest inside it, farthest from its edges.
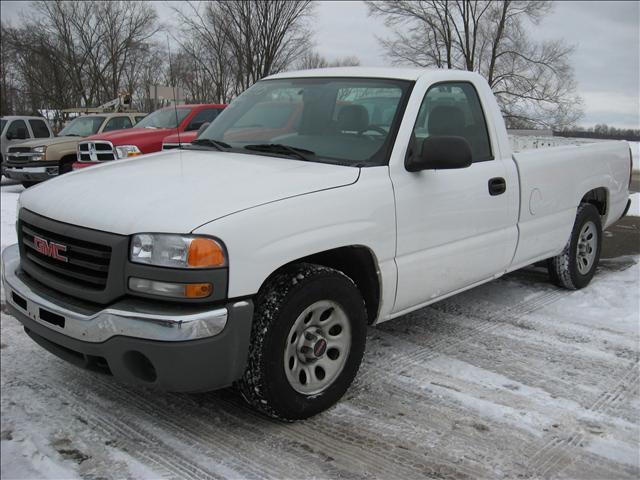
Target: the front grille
(96, 151)
(95, 260)
(20, 154)
(87, 263)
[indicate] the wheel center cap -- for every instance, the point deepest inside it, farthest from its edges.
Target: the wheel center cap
(320, 347)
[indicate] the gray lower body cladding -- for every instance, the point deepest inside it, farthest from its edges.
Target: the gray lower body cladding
(187, 366)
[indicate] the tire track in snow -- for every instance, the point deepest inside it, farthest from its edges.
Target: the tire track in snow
(177, 411)
(144, 447)
(332, 439)
(417, 354)
(554, 456)
(426, 351)
(154, 414)
(617, 393)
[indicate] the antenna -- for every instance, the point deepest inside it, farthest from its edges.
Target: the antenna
(173, 87)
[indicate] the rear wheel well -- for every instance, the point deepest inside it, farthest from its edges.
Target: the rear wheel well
(356, 262)
(598, 198)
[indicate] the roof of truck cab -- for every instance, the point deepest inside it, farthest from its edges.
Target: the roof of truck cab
(197, 105)
(111, 114)
(23, 117)
(370, 72)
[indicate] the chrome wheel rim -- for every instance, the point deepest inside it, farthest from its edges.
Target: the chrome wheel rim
(317, 347)
(587, 247)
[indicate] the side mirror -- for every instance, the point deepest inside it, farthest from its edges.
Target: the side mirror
(202, 128)
(440, 153)
(10, 136)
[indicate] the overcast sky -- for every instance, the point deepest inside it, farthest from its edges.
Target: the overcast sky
(606, 36)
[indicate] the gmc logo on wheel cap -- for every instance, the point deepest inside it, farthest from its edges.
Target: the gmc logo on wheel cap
(50, 249)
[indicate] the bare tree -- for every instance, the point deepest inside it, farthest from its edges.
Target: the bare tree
(79, 53)
(266, 36)
(8, 75)
(227, 46)
(205, 65)
(533, 81)
(312, 59)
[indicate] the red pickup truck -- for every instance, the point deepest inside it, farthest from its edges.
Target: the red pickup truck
(147, 135)
(177, 140)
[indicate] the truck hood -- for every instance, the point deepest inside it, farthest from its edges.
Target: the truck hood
(177, 191)
(131, 136)
(48, 142)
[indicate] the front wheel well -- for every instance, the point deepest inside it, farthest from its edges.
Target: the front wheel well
(356, 262)
(598, 197)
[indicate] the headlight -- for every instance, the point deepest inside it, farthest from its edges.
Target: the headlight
(42, 151)
(18, 207)
(124, 151)
(177, 251)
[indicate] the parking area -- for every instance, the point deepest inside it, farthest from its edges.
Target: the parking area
(514, 379)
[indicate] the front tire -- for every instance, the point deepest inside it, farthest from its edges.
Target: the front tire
(307, 342)
(575, 266)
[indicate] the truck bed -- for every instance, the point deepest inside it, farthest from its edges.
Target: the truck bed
(548, 202)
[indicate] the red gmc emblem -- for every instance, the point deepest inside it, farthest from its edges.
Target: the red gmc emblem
(50, 249)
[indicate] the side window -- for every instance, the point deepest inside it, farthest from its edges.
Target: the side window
(203, 116)
(453, 109)
(39, 129)
(17, 130)
(117, 123)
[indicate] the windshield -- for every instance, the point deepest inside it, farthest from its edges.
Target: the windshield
(82, 127)
(2, 124)
(165, 118)
(340, 120)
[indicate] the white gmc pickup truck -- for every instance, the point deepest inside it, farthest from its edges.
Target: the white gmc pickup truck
(319, 202)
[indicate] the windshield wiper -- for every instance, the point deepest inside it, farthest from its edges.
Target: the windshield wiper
(72, 135)
(211, 143)
(301, 153)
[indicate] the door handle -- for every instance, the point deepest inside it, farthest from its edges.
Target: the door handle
(497, 186)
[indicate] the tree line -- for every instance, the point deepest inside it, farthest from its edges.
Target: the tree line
(76, 54)
(601, 131)
(83, 54)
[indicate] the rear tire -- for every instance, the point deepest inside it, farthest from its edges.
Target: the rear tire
(307, 342)
(575, 266)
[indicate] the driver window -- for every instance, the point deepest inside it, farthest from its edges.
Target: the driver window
(453, 109)
(17, 130)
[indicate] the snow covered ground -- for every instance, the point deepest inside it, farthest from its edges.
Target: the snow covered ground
(512, 379)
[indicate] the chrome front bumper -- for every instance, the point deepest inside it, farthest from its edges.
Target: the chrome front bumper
(30, 173)
(130, 318)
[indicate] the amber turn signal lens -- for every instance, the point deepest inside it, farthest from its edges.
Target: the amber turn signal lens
(205, 252)
(198, 290)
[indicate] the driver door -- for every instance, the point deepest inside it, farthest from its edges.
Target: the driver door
(452, 229)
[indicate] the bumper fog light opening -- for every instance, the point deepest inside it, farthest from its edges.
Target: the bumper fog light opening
(140, 366)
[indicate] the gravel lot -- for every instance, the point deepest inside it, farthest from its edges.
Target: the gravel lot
(515, 379)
